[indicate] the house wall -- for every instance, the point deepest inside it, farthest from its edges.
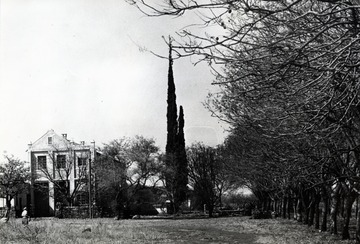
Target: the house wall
(59, 146)
(3, 202)
(3, 207)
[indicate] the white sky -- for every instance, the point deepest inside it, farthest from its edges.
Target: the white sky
(73, 66)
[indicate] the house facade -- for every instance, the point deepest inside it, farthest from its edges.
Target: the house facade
(61, 173)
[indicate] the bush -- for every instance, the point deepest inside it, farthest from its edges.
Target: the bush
(143, 209)
(257, 214)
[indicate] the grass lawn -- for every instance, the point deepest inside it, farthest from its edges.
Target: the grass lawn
(216, 230)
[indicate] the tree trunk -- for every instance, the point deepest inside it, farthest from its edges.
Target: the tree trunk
(357, 225)
(325, 212)
(334, 208)
(120, 209)
(285, 200)
(264, 205)
(295, 208)
(299, 216)
(357, 208)
(121, 203)
(126, 211)
(317, 211)
(311, 212)
(357, 234)
(289, 207)
(305, 207)
(306, 214)
(8, 208)
(279, 206)
(211, 209)
(341, 210)
(275, 205)
(348, 202)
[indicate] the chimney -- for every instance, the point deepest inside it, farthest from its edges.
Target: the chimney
(93, 151)
(64, 136)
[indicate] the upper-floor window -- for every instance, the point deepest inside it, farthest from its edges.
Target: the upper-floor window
(41, 162)
(80, 184)
(61, 161)
(50, 140)
(82, 162)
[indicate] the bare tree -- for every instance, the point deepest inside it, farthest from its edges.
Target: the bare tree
(289, 70)
(207, 176)
(65, 163)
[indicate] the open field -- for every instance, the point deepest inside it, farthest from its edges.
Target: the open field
(216, 230)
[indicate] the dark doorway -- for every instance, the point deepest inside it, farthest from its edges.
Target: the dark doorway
(41, 199)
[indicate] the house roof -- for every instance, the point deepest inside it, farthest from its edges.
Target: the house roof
(57, 142)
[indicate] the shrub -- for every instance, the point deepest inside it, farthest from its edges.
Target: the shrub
(143, 209)
(258, 214)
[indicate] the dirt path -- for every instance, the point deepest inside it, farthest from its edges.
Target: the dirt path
(242, 230)
(198, 235)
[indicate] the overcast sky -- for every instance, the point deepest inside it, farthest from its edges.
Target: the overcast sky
(75, 66)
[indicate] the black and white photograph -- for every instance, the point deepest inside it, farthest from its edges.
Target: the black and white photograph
(172, 121)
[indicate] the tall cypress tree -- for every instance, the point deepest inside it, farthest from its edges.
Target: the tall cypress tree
(172, 127)
(171, 109)
(176, 176)
(181, 175)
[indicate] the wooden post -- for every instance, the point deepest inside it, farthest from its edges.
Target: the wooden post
(90, 196)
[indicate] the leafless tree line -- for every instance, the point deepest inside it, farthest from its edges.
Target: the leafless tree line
(288, 73)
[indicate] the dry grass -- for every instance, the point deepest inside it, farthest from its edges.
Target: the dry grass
(217, 230)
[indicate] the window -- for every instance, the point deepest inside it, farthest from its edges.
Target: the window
(81, 184)
(61, 161)
(82, 195)
(41, 162)
(61, 190)
(82, 162)
(82, 198)
(49, 140)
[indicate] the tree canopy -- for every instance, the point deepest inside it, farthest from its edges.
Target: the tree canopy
(14, 179)
(127, 168)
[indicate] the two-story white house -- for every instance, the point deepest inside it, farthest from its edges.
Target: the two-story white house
(61, 173)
